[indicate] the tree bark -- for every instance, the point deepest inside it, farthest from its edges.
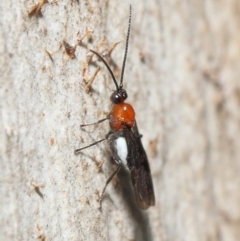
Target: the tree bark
(182, 76)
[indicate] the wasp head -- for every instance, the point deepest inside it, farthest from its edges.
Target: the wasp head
(118, 96)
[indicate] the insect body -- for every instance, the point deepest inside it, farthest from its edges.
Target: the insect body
(125, 141)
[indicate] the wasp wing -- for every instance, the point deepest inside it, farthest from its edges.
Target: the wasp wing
(140, 171)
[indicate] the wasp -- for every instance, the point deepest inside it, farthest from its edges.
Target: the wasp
(124, 139)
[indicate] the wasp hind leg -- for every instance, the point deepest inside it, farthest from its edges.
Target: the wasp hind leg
(112, 137)
(107, 182)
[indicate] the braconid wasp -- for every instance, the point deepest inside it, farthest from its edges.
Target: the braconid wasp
(124, 140)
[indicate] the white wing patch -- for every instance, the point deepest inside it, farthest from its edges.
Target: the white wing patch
(122, 150)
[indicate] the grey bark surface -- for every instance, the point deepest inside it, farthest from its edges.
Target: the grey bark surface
(182, 77)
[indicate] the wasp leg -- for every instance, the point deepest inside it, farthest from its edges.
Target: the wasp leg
(107, 182)
(112, 137)
(77, 151)
(95, 123)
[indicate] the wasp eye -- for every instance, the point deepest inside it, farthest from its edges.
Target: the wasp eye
(116, 97)
(124, 94)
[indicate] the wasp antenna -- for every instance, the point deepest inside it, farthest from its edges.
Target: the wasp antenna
(126, 48)
(106, 64)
